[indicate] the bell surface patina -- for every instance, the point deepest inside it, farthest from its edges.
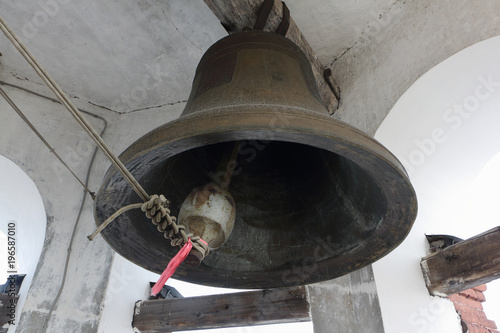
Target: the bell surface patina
(315, 198)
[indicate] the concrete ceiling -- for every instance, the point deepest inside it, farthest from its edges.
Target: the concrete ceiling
(107, 52)
(123, 55)
(129, 55)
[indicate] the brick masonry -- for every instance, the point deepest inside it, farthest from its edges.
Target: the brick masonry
(469, 307)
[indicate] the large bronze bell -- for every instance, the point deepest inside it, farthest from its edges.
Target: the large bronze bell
(315, 198)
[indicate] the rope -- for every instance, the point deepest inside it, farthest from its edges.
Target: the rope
(32, 127)
(155, 207)
(72, 109)
(112, 218)
(157, 210)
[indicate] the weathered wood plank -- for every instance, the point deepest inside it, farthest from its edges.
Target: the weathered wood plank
(464, 265)
(227, 310)
(236, 15)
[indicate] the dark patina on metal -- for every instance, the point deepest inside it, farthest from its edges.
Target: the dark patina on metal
(315, 198)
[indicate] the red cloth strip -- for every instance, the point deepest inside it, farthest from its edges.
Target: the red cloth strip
(172, 266)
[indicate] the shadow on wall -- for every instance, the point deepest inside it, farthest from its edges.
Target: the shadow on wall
(23, 222)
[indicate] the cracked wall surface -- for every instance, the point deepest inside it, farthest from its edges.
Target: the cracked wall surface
(73, 275)
(120, 55)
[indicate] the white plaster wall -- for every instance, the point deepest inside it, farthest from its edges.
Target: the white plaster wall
(78, 306)
(398, 45)
(444, 129)
(20, 203)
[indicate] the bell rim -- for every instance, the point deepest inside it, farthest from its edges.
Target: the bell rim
(237, 121)
(191, 121)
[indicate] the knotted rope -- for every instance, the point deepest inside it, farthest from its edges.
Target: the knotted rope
(157, 210)
(155, 207)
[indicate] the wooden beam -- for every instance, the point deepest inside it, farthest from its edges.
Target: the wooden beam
(227, 310)
(464, 265)
(236, 15)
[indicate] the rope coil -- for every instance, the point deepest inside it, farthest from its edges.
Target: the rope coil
(156, 209)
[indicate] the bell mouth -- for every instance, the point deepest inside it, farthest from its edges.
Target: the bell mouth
(315, 198)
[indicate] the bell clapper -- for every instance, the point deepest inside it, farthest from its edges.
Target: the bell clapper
(228, 166)
(209, 211)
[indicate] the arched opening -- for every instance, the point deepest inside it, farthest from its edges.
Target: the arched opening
(22, 221)
(444, 129)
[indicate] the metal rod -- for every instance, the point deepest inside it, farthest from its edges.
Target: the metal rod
(72, 109)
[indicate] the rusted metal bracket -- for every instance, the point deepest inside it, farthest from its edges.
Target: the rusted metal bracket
(327, 74)
(285, 21)
(263, 16)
